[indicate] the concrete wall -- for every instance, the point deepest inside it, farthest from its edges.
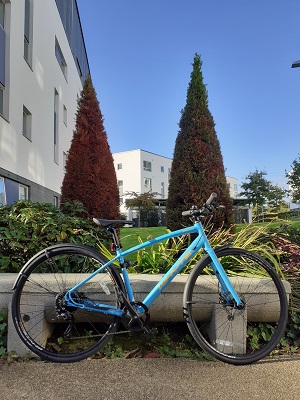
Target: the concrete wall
(168, 307)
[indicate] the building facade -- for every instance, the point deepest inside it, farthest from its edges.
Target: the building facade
(140, 171)
(43, 63)
(233, 187)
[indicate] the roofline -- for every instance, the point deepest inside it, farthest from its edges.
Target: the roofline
(145, 151)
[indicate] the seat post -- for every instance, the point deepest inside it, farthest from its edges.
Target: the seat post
(116, 240)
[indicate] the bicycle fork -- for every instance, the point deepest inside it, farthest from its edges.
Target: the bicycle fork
(228, 295)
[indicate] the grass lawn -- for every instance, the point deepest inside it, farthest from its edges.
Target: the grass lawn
(295, 222)
(129, 236)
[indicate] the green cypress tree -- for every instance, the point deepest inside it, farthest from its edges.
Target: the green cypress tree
(197, 168)
(90, 174)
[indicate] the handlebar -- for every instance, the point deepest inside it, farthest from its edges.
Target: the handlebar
(211, 199)
(205, 210)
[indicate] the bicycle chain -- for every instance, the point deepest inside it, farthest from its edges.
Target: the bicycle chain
(95, 336)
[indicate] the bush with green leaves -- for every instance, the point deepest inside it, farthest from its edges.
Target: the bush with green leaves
(281, 253)
(290, 264)
(26, 228)
(159, 258)
(3, 332)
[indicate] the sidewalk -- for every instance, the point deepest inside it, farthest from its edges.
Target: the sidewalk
(151, 379)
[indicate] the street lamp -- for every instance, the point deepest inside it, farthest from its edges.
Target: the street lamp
(296, 64)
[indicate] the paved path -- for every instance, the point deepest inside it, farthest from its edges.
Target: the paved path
(149, 379)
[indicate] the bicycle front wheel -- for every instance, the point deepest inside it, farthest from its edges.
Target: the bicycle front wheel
(236, 335)
(51, 329)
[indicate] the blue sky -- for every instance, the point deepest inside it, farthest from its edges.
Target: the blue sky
(140, 54)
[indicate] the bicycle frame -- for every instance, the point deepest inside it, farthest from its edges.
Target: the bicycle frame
(199, 242)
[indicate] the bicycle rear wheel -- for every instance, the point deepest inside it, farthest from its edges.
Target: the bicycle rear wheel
(236, 336)
(48, 327)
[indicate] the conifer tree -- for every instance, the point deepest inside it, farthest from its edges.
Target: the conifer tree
(90, 174)
(197, 167)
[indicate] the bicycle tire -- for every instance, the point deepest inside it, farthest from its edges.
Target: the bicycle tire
(236, 336)
(39, 313)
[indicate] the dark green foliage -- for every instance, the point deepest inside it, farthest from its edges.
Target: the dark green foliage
(144, 202)
(276, 196)
(149, 218)
(288, 245)
(289, 344)
(3, 332)
(256, 190)
(90, 174)
(291, 340)
(293, 180)
(197, 168)
(141, 201)
(26, 228)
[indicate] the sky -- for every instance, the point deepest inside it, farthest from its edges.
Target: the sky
(141, 53)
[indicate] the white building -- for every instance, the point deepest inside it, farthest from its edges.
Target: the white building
(43, 63)
(233, 187)
(140, 171)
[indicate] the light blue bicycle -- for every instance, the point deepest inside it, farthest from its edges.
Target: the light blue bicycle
(69, 300)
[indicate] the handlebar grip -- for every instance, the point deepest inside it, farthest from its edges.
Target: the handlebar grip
(211, 198)
(186, 213)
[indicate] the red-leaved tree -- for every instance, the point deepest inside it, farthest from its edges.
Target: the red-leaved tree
(90, 174)
(197, 167)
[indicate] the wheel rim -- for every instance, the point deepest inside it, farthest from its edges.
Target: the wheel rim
(226, 332)
(48, 327)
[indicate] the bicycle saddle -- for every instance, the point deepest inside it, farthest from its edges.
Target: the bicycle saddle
(109, 222)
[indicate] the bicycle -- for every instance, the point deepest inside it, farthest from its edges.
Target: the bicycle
(79, 298)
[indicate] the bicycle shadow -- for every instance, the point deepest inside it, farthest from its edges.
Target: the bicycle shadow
(278, 359)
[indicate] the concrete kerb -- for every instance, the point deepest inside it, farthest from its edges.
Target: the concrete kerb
(167, 308)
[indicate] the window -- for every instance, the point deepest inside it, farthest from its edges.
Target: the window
(27, 32)
(26, 123)
(70, 19)
(162, 169)
(120, 185)
(55, 201)
(2, 191)
(65, 115)
(1, 99)
(121, 201)
(60, 58)
(119, 166)
(12, 191)
(2, 56)
(148, 183)
(162, 189)
(78, 67)
(5, 25)
(2, 13)
(169, 174)
(23, 192)
(55, 132)
(65, 159)
(147, 165)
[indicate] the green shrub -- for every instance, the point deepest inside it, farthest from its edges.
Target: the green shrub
(290, 232)
(3, 332)
(26, 228)
(160, 257)
(290, 265)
